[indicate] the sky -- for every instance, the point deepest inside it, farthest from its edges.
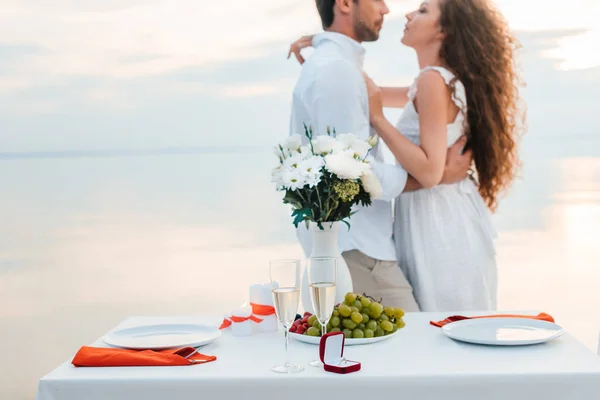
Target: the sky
(89, 75)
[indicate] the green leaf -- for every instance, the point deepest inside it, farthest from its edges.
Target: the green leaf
(347, 223)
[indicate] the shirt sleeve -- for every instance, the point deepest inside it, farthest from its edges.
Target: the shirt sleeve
(392, 178)
(338, 99)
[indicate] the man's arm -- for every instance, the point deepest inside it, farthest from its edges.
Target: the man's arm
(457, 166)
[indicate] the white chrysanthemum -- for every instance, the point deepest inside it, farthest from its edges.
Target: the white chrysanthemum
(311, 165)
(347, 139)
(371, 184)
(345, 166)
(292, 162)
(360, 148)
(326, 145)
(292, 179)
(310, 169)
(292, 143)
(276, 177)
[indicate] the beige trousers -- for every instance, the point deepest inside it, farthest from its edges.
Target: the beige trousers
(380, 279)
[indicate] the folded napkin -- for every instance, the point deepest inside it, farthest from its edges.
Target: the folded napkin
(454, 318)
(111, 357)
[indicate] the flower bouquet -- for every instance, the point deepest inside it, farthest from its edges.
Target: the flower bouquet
(326, 177)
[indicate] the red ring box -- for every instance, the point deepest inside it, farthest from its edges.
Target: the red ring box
(331, 351)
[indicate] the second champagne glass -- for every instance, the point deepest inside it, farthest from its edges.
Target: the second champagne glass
(285, 286)
(322, 278)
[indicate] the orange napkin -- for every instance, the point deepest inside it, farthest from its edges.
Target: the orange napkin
(454, 318)
(110, 357)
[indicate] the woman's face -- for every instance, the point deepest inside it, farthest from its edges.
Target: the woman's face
(422, 26)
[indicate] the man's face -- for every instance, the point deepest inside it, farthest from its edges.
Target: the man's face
(368, 19)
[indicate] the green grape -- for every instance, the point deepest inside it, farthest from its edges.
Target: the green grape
(394, 328)
(361, 326)
(356, 317)
(379, 332)
(329, 327)
(400, 323)
(389, 311)
(348, 324)
(357, 304)
(383, 317)
(316, 324)
(369, 333)
(372, 325)
(365, 317)
(398, 313)
(358, 334)
(312, 319)
(347, 333)
(376, 309)
(336, 329)
(335, 321)
(345, 310)
(335, 313)
(350, 298)
(365, 301)
(312, 331)
(354, 309)
(387, 326)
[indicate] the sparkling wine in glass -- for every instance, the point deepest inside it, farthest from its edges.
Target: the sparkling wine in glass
(285, 286)
(322, 278)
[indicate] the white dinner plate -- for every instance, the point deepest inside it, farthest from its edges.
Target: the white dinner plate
(348, 342)
(163, 336)
(503, 331)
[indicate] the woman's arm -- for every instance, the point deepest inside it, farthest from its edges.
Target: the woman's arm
(425, 162)
(394, 97)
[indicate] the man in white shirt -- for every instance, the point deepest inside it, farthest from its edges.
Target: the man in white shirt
(331, 91)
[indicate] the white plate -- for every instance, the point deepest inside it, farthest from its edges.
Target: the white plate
(503, 331)
(164, 336)
(348, 342)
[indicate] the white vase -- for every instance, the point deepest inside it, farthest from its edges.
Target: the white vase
(325, 244)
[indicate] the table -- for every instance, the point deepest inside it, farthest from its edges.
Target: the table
(419, 363)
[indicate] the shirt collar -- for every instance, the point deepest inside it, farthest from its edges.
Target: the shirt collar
(351, 48)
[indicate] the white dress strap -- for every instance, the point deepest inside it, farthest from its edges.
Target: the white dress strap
(459, 96)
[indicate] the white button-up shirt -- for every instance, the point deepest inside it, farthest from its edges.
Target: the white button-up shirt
(331, 91)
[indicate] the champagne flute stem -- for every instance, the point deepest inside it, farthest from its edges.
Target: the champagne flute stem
(287, 345)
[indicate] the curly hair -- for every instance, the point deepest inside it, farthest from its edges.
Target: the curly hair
(479, 48)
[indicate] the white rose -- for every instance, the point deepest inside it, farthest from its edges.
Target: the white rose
(347, 139)
(306, 152)
(345, 166)
(372, 140)
(292, 143)
(360, 148)
(324, 145)
(371, 184)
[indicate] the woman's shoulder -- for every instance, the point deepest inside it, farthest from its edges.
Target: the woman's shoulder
(431, 75)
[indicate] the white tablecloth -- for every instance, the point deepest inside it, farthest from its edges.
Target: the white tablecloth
(419, 363)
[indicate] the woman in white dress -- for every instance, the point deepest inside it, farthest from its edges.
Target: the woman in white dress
(467, 85)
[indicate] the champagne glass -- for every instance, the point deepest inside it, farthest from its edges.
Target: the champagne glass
(285, 286)
(322, 278)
